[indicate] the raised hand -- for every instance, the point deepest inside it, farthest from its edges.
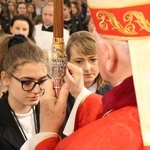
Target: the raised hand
(74, 77)
(53, 110)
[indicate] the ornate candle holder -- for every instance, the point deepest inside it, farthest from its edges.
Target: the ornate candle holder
(58, 64)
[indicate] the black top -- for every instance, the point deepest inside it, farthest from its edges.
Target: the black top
(10, 136)
(74, 24)
(49, 29)
(67, 24)
(4, 22)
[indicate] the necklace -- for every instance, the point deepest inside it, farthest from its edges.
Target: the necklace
(19, 125)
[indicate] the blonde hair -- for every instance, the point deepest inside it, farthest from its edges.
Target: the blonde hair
(84, 42)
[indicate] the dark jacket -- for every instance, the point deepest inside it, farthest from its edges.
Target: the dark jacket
(4, 22)
(74, 24)
(71, 101)
(10, 135)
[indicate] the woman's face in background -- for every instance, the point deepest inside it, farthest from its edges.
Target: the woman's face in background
(74, 9)
(20, 27)
(22, 9)
(31, 9)
(11, 7)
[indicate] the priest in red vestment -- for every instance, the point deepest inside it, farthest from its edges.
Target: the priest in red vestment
(111, 122)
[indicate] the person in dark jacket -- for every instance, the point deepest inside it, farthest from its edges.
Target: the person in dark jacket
(24, 69)
(81, 51)
(4, 22)
(72, 22)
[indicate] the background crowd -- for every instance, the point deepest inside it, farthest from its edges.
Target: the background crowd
(76, 14)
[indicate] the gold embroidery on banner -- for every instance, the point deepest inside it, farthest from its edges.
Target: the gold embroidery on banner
(130, 19)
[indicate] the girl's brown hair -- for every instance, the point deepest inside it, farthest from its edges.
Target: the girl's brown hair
(14, 55)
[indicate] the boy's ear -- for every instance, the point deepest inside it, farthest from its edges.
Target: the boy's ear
(4, 78)
(111, 57)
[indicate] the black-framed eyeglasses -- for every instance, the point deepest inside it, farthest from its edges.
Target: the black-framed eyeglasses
(29, 85)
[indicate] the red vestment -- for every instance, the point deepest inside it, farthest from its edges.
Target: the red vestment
(118, 130)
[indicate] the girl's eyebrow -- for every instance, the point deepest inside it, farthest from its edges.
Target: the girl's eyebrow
(30, 78)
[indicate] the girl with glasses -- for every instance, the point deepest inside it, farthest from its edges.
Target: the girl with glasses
(24, 69)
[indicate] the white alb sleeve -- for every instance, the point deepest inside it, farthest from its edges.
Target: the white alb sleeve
(69, 128)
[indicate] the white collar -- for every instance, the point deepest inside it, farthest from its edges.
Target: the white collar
(93, 87)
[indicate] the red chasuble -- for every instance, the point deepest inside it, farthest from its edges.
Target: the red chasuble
(89, 111)
(118, 130)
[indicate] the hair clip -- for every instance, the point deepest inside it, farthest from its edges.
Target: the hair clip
(16, 39)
